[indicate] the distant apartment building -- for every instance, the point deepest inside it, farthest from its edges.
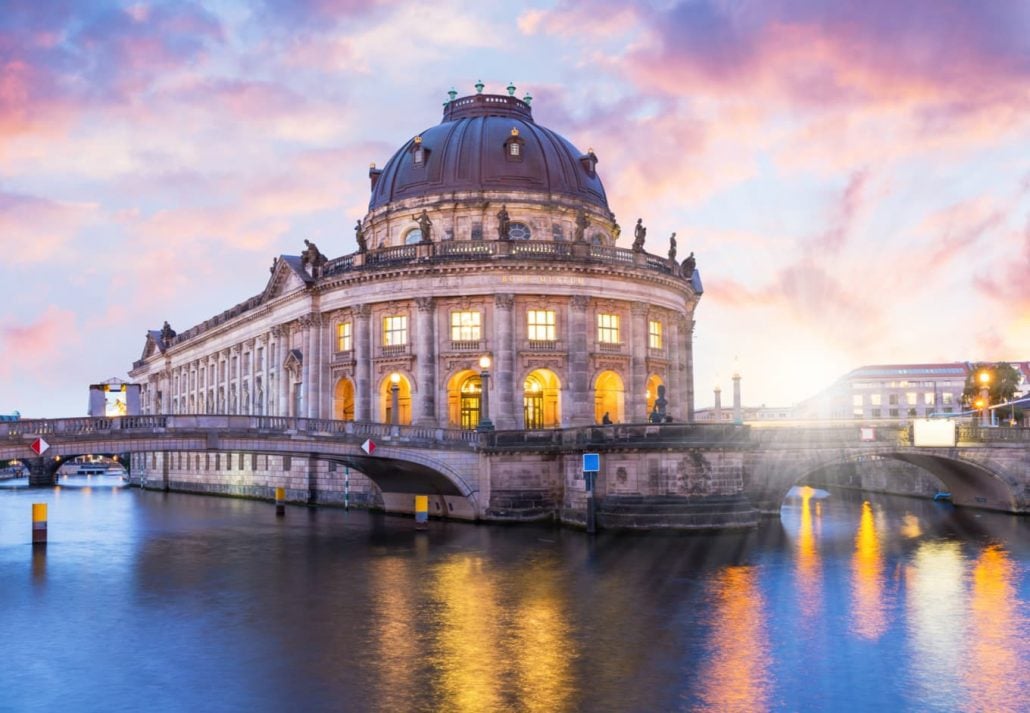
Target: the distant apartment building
(881, 392)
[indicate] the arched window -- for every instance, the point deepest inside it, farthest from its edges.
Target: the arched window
(413, 236)
(471, 395)
(557, 233)
(519, 231)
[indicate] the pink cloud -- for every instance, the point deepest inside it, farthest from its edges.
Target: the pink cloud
(38, 229)
(35, 348)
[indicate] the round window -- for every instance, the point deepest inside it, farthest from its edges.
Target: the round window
(518, 231)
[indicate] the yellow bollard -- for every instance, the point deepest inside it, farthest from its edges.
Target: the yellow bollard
(280, 501)
(39, 523)
(421, 512)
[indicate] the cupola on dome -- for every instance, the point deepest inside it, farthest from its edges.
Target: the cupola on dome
(488, 142)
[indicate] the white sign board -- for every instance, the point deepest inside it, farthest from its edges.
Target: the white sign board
(933, 433)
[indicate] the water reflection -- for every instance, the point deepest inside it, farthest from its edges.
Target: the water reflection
(807, 566)
(736, 676)
(936, 596)
(869, 619)
(395, 631)
(997, 675)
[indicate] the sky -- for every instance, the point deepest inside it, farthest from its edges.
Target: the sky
(853, 178)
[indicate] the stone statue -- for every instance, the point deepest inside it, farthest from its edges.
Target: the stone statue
(660, 403)
(689, 265)
(672, 247)
(359, 235)
(581, 227)
(616, 232)
(275, 261)
(167, 333)
(503, 223)
(425, 225)
(313, 258)
(639, 233)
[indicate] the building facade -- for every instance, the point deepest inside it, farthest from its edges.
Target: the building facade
(487, 235)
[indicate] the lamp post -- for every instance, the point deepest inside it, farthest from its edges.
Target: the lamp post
(484, 395)
(395, 388)
(985, 396)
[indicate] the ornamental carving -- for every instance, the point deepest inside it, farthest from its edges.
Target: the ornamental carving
(424, 304)
(363, 311)
(639, 309)
(531, 363)
(579, 302)
(504, 300)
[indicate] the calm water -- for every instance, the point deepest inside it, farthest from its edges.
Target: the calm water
(156, 602)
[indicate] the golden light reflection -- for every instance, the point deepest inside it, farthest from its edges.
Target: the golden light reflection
(910, 526)
(809, 574)
(869, 619)
(396, 628)
(998, 668)
(935, 601)
(469, 656)
(544, 647)
(736, 676)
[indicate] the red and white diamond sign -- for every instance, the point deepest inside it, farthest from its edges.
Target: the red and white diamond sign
(39, 446)
(368, 446)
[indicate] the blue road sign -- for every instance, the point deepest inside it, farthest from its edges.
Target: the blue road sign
(591, 462)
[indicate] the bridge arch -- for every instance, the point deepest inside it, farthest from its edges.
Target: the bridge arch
(982, 483)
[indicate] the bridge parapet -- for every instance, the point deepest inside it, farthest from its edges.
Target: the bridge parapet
(630, 435)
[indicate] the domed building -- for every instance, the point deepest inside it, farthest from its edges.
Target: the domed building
(488, 241)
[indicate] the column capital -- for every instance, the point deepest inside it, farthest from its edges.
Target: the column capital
(639, 309)
(363, 311)
(504, 300)
(579, 302)
(425, 304)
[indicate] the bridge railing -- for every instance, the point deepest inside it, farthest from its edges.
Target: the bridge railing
(623, 434)
(975, 433)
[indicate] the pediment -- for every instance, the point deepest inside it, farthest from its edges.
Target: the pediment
(152, 346)
(287, 276)
(293, 361)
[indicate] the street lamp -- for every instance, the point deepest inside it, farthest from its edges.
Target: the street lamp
(484, 397)
(395, 381)
(985, 396)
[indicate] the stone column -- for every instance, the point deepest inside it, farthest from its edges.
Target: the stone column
(237, 375)
(579, 402)
(282, 375)
(363, 363)
(674, 375)
(425, 362)
(636, 408)
(251, 376)
(717, 410)
(687, 369)
(738, 413)
(504, 376)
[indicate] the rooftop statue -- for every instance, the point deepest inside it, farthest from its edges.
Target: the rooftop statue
(167, 333)
(689, 265)
(639, 233)
(313, 257)
(672, 247)
(359, 236)
(503, 224)
(425, 225)
(581, 226)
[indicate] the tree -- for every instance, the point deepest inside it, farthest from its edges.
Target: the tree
(1004, 380)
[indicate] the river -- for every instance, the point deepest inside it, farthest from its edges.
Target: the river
(147, 601)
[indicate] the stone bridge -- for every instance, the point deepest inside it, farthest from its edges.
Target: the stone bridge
(669, 475)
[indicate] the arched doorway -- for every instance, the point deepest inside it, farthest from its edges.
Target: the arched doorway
(541, 405)
(403, 400)
(609, 397)
(653, 382)
(343, 400)
(464, 399)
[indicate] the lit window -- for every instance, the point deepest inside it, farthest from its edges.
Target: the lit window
(608, 328)
(513, 147)
(911, 398)
(654, 334)
(343, 334)
(395, 331)
(875, 399)
(465, 326)
(856, 400)
(541, 324)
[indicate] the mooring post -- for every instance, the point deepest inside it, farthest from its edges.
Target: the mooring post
(346, 487)
(280, 502)
(39, 523)
(421, 512)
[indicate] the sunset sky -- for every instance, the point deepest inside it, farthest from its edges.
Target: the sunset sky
(854, 178)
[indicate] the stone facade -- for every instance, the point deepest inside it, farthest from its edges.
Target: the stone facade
(576, 329)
